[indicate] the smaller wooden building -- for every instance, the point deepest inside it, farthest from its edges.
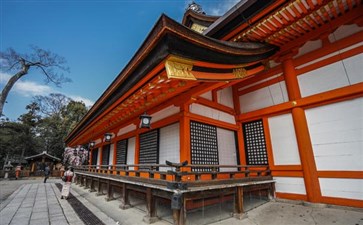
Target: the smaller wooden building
(38, 162)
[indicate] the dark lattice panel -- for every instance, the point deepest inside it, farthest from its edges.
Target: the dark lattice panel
(149, 147)
(105, 154)
(255, 145)
(121, 152)
(94, 156)
(204, 145)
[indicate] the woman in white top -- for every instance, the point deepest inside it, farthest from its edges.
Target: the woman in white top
(69, 178)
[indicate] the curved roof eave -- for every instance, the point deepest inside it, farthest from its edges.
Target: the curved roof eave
(168, 37)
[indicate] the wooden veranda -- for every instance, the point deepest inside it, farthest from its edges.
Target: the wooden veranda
(180, 185)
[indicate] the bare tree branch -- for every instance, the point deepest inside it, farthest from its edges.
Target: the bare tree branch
(47, 62)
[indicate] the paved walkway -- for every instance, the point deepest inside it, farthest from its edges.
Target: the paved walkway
(37, 204)
(34, 202)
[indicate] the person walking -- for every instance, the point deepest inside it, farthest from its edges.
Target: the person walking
(46, 173)
(68, 179)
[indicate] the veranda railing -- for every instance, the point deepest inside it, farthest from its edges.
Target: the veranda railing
(180, 172)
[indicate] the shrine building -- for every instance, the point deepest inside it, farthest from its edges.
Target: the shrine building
(265, 101)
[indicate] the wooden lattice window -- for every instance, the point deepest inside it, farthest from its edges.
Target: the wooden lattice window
(204, 146)
(255, 144)
(121, 152)
(106, 154)
(149, 147)
(94, 156)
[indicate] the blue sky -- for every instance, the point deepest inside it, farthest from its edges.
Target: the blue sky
(97, 38)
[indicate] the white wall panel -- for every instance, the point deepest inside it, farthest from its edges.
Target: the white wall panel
(226, 148)
(353, 66)
(169, 146)
(126, 129)
(260, 82)
(344, 31)
(326, 78)
(342, 188)
(207, 95)
(131, 151)
(99, 157)
(110, 157)
(308, 47)
(283, 139)
(330, 55)
(225, 97)
(294, 185)
(168, 111)
(336, 132)
(211, 113)
(264, 97)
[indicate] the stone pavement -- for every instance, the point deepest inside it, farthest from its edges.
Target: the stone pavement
(37, 204)
(278, 212)
(33, 202)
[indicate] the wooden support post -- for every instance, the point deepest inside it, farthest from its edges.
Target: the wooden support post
(151, 207)
(78, 179)
(125, 198)
(292, 86)
(99, 187)
(238, 204)
(311, 179)
(85, 186)
(92, 186)
(271, 191)
(82, 181)
(176, 217)
(109, 196)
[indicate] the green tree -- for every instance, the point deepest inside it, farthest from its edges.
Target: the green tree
(61, 114)
(19, 139)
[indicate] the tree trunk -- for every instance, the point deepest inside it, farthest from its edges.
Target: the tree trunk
(9, 85)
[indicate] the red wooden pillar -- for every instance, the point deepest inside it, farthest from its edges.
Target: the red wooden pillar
(311, 179)
(184, 136)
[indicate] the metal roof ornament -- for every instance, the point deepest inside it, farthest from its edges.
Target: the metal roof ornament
(195, 7)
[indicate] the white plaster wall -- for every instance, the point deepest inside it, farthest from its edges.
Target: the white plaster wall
(264, 97)
(336, 75)
(110, 157)
(336, 133)
(323, 79)
(169, 146)
(309, 47)
(353, 66)
(168, 111)
(131, 151)
(330, 55)
(344, 31)
(342, 188)
(225, 97)
(99, 157)
(260, 82)
(207, 95)
(226, 148)
(211, 113)
(126, 129)
(283, 139)
(293, 185)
